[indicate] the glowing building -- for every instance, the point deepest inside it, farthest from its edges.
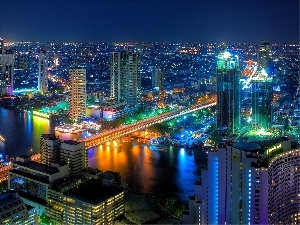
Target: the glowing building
(125, 77)
(261, 95)
(7, 61)
(49, 148)
(43, 75)
(158, 75)
(264, 55)
(77, 99)
(241, 185)
(228, 92)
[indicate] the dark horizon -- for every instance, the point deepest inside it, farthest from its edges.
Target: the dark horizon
(174, 21)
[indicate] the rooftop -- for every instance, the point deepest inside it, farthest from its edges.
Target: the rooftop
(93, 192)
(38, 167)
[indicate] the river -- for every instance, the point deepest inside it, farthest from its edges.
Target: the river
(142, 167)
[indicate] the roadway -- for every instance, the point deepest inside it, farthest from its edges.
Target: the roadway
(124, 130)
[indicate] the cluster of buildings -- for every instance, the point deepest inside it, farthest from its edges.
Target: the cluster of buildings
(247, 182)
(60, 189)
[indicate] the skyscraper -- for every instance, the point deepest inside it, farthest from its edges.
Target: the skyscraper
(1, 46)
(49, 148)
(264, 55)
(240, 180)
(77, 100)
(43, 76)
(7, 61)
(228, 92)
(125, 77)
(261, 95)
(157, 77)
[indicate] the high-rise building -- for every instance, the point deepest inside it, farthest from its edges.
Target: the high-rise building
(49, 148)
(7, 61)
(239, 181)
(75, 154)
(43, 76)
(13, 210)
(228, 92)
(125, 77)
(77, 100)
(157, 77)
(261, 99)
(1, 46)
(264, 55)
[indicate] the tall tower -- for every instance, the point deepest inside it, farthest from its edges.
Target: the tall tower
(264, 55)
(1, 46)
(49, 148)
(125, 77)
(157, 77)
(77, 100)
(228, 92)
(43, 76)
(262, 95)
(7, 61)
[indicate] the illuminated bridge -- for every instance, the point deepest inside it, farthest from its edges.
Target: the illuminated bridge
(124, 130)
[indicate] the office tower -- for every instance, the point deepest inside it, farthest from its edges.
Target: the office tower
(49, 148)
(32, 180)
(7, 61)
(157, 77)
(14, 211)
(77, 100)
(125, 77)
(43, 76)
(284, 188)
(23, 61)
(75, 154)
(235, 186)
(93, 202)
(264, 55)
(262, 96)
(228, 92)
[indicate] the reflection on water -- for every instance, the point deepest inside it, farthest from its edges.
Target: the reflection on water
(144, 169)
(150, 171)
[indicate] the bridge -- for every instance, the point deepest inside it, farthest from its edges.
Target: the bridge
(124, 130)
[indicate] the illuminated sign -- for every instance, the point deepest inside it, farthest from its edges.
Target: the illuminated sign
(274, 148)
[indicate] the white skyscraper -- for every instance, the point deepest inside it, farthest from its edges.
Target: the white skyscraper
(125, 77)
(77, 100)
(235, 185)
(7, 61)
(43, 76)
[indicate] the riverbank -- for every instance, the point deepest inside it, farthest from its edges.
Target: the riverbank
(141, 209)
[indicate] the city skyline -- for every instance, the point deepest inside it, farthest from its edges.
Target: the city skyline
(176, 21)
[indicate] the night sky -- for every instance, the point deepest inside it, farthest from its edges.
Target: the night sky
(150, 20)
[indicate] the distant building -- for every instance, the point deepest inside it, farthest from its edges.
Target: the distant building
(125, 77)
(261, 98)
(7, 60)
(158, 76)
(243, 185)
(94, 202)
(263, 56)
(228, 92)
(1, 46)
(43, 72)
(49, 149)
(14, 211)
(77, 101)
(75, 155)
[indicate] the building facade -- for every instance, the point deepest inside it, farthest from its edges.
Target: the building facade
(228, 92)
(7, 61)
(49, 149)
(261, 100)
(43, 74)
(157, 78)
(235, 187)
(125, 77)
(13, 210)
(263, 56)
(77, 98)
